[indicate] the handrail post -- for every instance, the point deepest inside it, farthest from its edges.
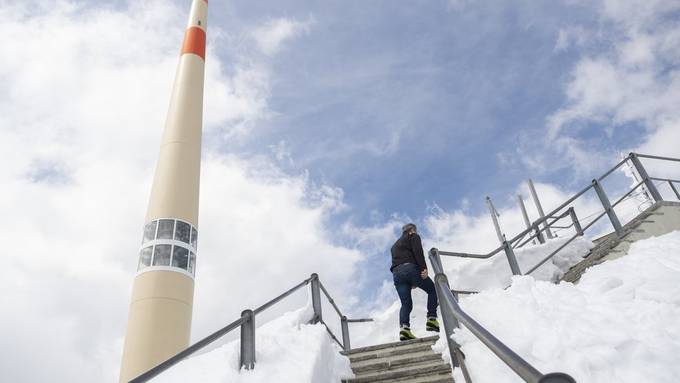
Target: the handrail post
(677, 195)
(438, 268)
(649, 184)
(345, 334)
(450, 322)
(512, 260)
(537, 202)
(316, 299)
(575, 221)
(539, 233)
(441, 282)
(496, 225)
(524, 214)
(248, 339)
(608, 208)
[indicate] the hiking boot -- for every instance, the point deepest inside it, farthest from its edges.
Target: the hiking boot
(406, 334)
(432, 325)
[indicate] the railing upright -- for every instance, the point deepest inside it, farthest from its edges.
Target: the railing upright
(677, 195)
(494, 218)
(527, 222)
(575, 221)
(344, 325)
(509, 253)
(608, 208)
(248, 340)
(649, 184)
(512, 259)
(450, 321)
(532, 189)
(316, 299)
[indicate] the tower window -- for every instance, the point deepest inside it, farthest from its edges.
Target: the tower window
(161, 255)
(182, 231)
(169, 242)
(145, 257)
(194, 237)
(150, 231)
(165, 228)
(192, 263)
(180, 257)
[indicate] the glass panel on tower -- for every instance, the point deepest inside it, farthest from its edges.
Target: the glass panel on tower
(182, 231)
(180, 257)
(165, 228)
(150, 231)
(192, 263)
(145, 257)
(161, 255)
(194, 237)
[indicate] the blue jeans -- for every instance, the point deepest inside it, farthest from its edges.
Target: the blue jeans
(405, 276)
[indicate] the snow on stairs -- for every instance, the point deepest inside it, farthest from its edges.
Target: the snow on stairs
(411, 361)
(660, 218)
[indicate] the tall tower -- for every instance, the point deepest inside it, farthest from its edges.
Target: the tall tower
(159, 322)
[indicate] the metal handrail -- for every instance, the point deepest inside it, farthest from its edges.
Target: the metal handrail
(657, 157)
(543, 224)
(563, 245)
(453, 314)
(246, 322)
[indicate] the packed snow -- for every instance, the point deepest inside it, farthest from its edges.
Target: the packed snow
(287, 350)
(481, 274)
(618, 324)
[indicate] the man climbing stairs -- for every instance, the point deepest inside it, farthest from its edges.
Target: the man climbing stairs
(411, 361)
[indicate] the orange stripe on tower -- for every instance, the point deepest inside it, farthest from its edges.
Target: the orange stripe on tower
(194, 42)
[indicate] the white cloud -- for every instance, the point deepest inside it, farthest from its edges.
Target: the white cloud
(632, 81)
(271, 36)
(85, 93)
(571, 36)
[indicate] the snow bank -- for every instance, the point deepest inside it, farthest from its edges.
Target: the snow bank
(287, 350)
(619, 324)
(482, 274)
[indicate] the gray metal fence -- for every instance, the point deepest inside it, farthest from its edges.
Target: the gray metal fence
(545, 222)
(247, 325)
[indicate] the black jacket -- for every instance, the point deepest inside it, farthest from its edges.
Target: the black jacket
(408, 249)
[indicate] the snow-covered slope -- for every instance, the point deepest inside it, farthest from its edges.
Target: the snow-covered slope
(287, 350)
(621, 323)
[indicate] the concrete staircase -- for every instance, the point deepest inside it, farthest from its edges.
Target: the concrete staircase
(660, 218)
(411, 361)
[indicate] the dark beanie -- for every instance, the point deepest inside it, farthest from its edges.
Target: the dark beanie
(408, 227)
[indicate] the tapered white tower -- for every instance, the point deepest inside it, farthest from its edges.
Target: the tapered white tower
(159, 322)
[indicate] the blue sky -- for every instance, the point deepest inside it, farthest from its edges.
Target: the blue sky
(403, 109)
(407, 106)
(327, 125)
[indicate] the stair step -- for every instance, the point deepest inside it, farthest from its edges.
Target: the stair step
(387, 346)
(418, 347)
(407, 371)
(432, 378)
(393, 362)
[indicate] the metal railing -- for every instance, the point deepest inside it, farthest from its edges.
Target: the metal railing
(453, 315)
(247, 324)
(545, 222)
